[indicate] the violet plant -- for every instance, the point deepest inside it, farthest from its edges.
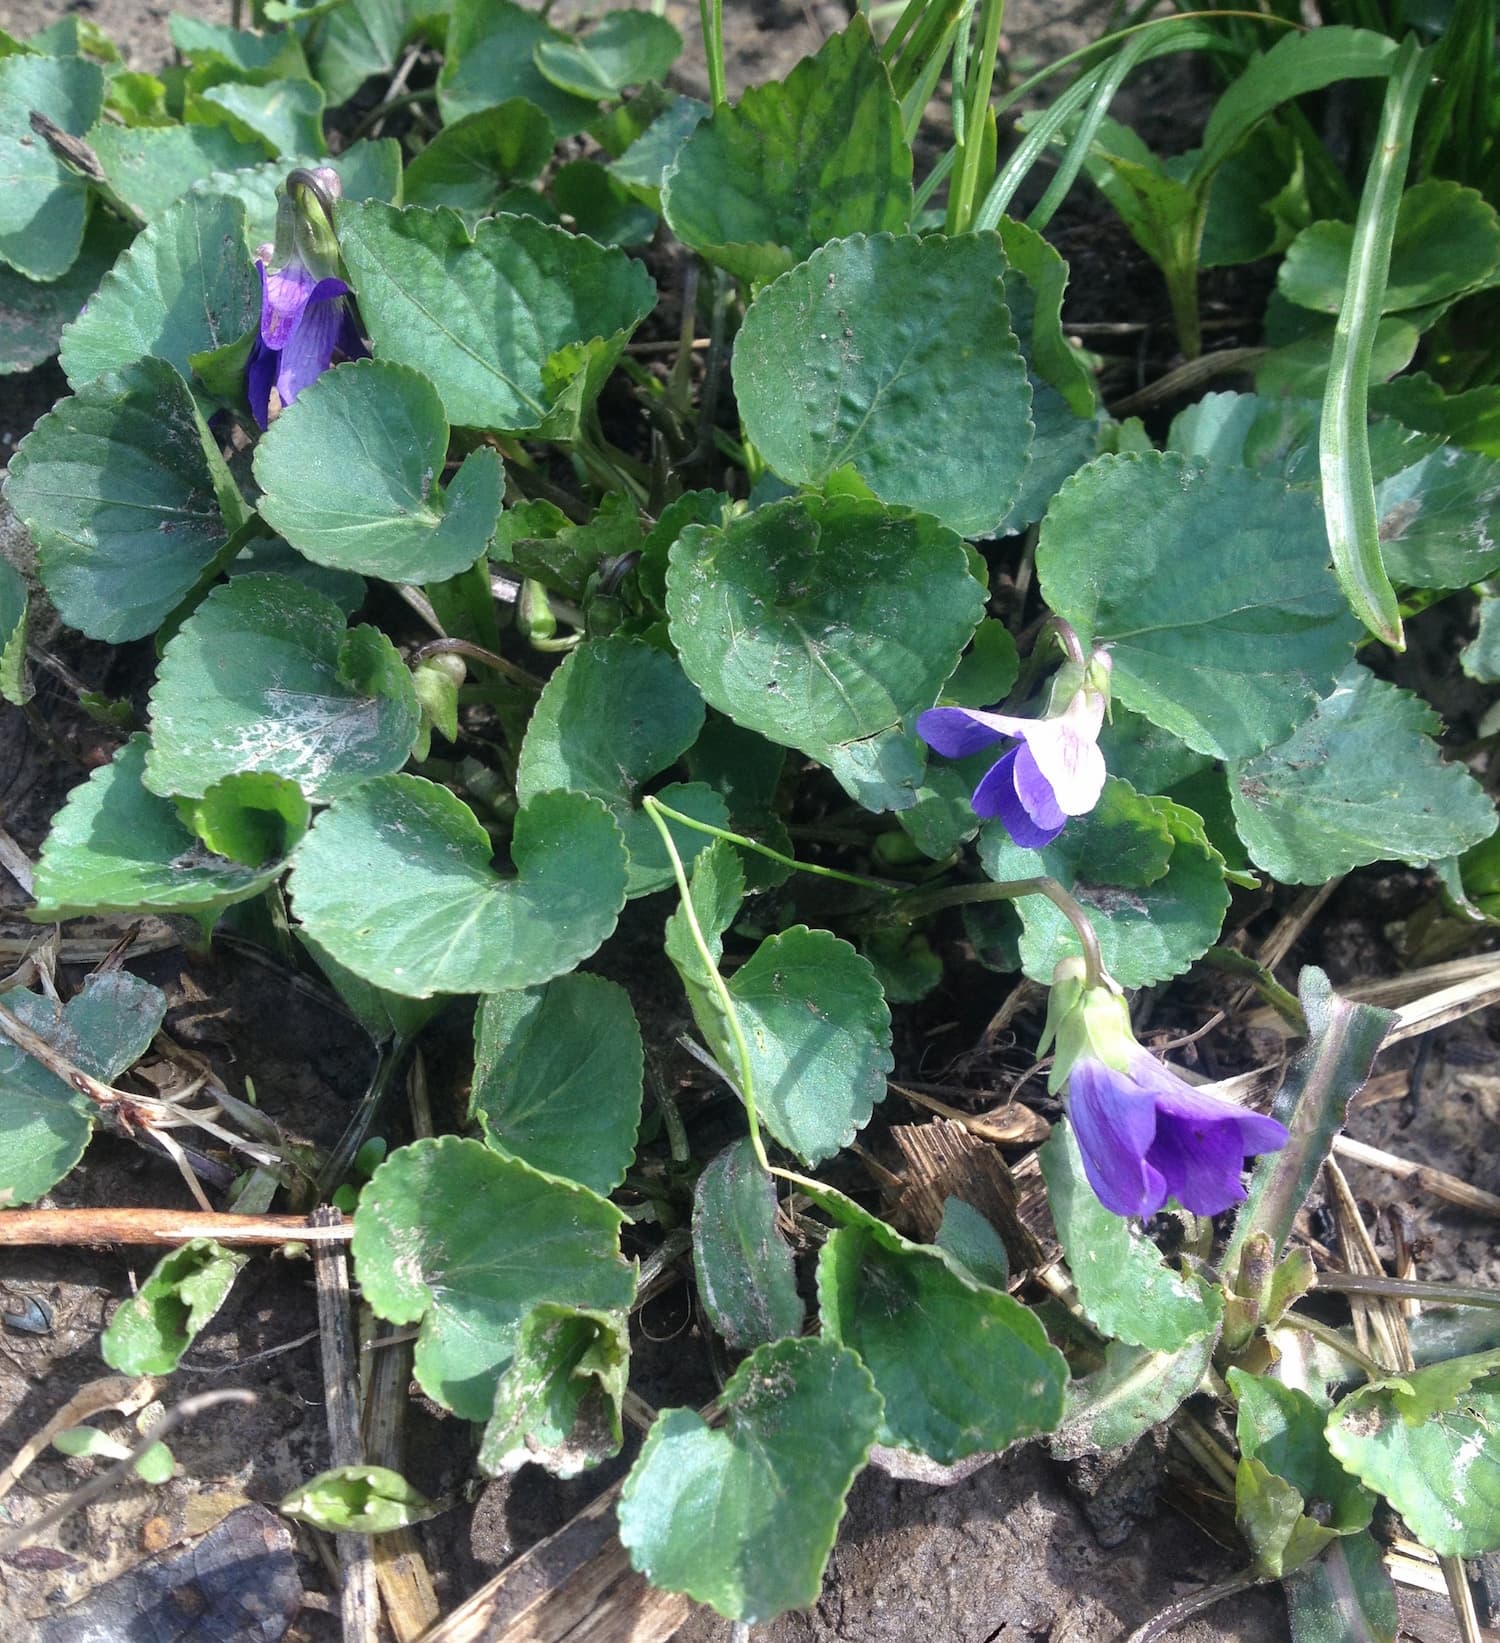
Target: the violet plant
(685, 624)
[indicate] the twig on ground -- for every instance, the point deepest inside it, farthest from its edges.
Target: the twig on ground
(19, 1227)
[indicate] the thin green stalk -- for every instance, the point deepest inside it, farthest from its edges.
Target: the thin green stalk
(712, 14)
(981, 84)
(1344, 442)
(726, 1002)
(1408, 1289)
(919, 903)
(1330, 1337)
(765, 850)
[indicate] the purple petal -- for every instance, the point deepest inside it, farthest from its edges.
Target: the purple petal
(260, 373)
(1035, 793)
(996, 795)
(957, 732)
(284, 293)
(309, 350)
(350, 343)
(1115, 1122)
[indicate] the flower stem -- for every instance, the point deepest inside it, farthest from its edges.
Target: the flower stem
(657, 814)
(1373, 1368)
(477, 653)
(919, 903)
(765, 850)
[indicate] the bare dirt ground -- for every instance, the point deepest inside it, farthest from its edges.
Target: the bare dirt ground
(1024, 1549)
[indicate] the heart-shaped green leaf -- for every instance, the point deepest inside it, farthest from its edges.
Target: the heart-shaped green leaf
(821, 624)
(489, 58)
(764, 182)
(265, 675)
(558, 1404)
(1134, 1391)
(1283, 1427)
(746, 1280)
(1211, 586)
(469, 163)
(34, 315)
(451, 1234)
(43, 203)
(744, 1517)
(557, 1078)
(150, 1332)
(186, 286)
(152, 167)
(286, 115)
(350, 475)
(123, 491)
(518, 326)
(117, 847)
(1359, 781)
(395, 881)
(849, 359)
(625, 48)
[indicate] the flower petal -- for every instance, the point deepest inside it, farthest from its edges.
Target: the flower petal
(311, 344)
(996, 795)
(1035, 793)
(1202, 1140)
(1115, 1122)
(260, 373)
(957, 732)
(1068, 756)
(284, 293)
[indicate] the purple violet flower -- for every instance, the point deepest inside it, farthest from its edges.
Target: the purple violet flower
(1054, 771)
(304, 321)
(1146, 1136)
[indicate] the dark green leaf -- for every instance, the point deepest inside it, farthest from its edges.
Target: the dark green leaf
(746, 1279)
(43, 203)
(32, 315)
(468, 163)
(625, 48)
(1346, 1596)
(1134, 1391)
(489, 59)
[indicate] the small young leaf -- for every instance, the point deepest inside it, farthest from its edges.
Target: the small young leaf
(489, 59)
(1283, 1427)
(625, 48)
(533, 318)
(962, 1367)
(13, 682)
(761, 184)
(395, 881)
(350, 471)
(1124, 1286)
(360, 1500)
(744, 1517)
(558, 1404)
(117, 847)
(265, 675)
(1268, 1513)
(450, 1233)
(1134, 1391)
(1361, 780)
(1253, 626)
(557, 1078)
(186, 286)
(150, 1332)
(122, 489)
(849, 359)
(746, 1279)
(43, 203)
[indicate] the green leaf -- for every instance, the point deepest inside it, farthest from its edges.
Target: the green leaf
(395, 881)
(1253, 627)
(270, 556)
(32, 315)
(1480, 658)
(625, 48)
(518, 326)
(121, 487)
(819, 1034)
(1124, 1286)
(1134, 1391)
(251, 818)
(1268, 1513)
(963, 1368)
(367, 170)
(746, 1279)
(14, 686)
(150, 1332)
(186, 286)
(1147, 931)
(1447, 242)
(116, 847)
(966, 1237)
(360, 1500)
(264, 675)
(103, 1029)
(286, 115)
(1283, 1427)
(1427, 1442)
(451, 1234)
(821, 624)
(1361, 780)
(357, 41)
(1037, 269)
(558, 1404)
(152, 167)
(761, 184)
(1346, 1596)
(469, 162)
(644, 165)
(218, 45)
(848, 359)
(349, 470)
(599, 206)
(43, 203)
(489, 59)
(557, 1078)
(384, 1016)
(744, 1517)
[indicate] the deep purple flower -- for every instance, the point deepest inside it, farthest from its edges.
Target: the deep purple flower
(1054, 771)
(304, 321)
(1147, 1136)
